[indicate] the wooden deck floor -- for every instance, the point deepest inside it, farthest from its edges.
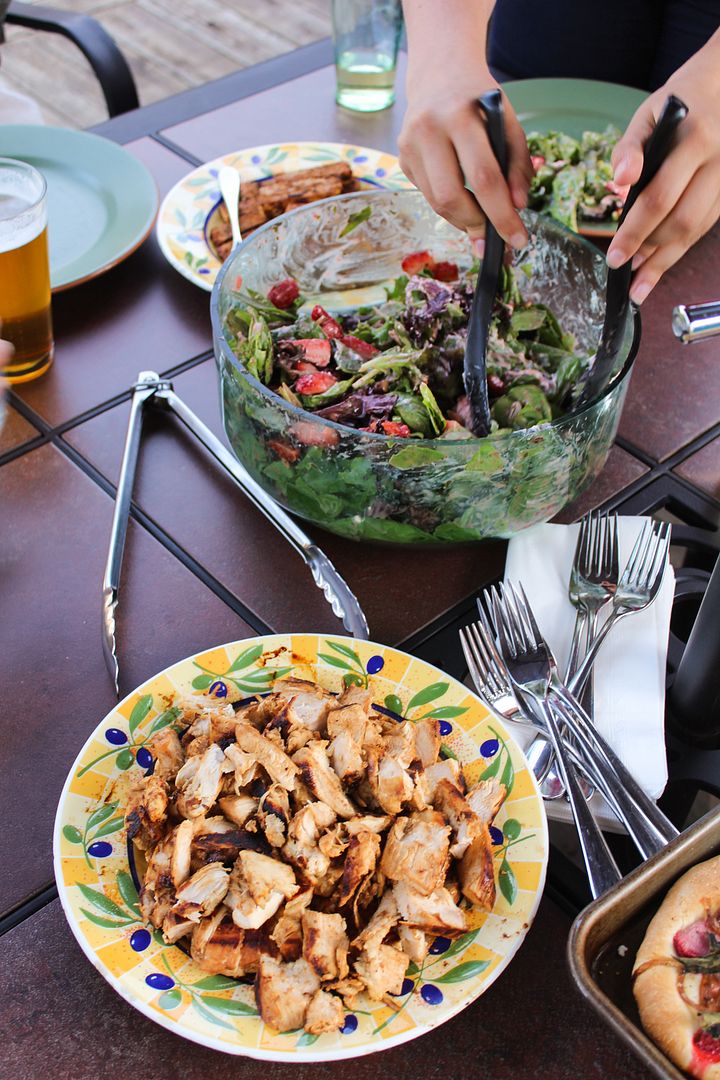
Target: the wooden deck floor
(171, 45)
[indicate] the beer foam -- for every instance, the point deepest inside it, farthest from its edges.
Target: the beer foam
(20, 220)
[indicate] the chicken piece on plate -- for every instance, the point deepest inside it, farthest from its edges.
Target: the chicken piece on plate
(167, 867)
(198, 782)
(307, 703)
(399, 740)
(346, 728)
(243, 769)
(274, 814)
(167, 751)
(382, 969)
(376, 823)
(456, 810)
(384, 920)
(324, 1013)
(258, 887)
(427, 741)
(355, 695)
(360, 861)
(428, 780)
(322, 780)
(486, 798)
(390, 784)
(201, 894)
(477, 873)
(238, 808)
(284, 991)
(301, 847)
(215, 724)
(146, 814)
(274, 761)
(417, 851)
(220, 947)
(325, 944)
(348, 989)
(287, 931)
(436, 914)
(220, 841)
(415, 943)
(175, 928)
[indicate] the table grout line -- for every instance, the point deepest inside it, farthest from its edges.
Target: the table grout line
(176, 149)
(32, 904)
(143, 519)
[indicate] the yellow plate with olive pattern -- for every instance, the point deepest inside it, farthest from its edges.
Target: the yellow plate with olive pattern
(188, 210)
(98, 884)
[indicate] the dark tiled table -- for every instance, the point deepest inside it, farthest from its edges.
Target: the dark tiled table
(203, 567)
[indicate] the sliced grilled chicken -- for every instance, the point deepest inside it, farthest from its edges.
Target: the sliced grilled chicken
(356, 695)
(274, 814)
(274, 761)
(245, 770)
(324, 1013)
(417, 851)
(346, 728)
(301, 847)
(477, 873)
(376, 823)
(146, 814)
(399, 742)
(427, 741)
(390, 783)
(201, 894)
(456, 810)
(441, 770)
(167, 751)
(220, 947)
(259, 886)
(384, 920)
(322, 780)
(175, 928)
(287, 931)
(415, 943)
(198, 782)
(486, 798)
(325, 944)
(284, 991)
(360, 861)
(436, 914)
(238, 808)
(382, 969)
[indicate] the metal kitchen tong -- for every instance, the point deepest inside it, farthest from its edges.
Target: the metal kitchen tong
(151, 388)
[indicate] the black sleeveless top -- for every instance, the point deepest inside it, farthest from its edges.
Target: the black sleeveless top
(634, 42)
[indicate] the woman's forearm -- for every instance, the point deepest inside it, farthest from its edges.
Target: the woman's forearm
(439, 30)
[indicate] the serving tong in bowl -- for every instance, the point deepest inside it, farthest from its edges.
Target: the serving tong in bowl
(151, 389)
(475, 364)
(617, 294)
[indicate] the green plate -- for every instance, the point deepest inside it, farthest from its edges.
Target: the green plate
(102, 202)
(574, 106)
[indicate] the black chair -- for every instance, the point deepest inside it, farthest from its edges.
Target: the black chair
(108, 63)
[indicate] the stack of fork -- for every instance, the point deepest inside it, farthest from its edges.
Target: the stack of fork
(516, 674)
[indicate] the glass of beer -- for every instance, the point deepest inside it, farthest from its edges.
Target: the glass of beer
(25, 319)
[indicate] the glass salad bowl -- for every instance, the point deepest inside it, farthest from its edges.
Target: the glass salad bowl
(411, 490)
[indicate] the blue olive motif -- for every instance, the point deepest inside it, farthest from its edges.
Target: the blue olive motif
(158, 981)
(431, 995)
(496, 835)
(439, 946)
(140, 940)
(144, 758)
(116, 737)
(100, 849)
(374, 664)
(350, 1025)
(490, 748)
(445, 727)
(218, 689)
(406, 987)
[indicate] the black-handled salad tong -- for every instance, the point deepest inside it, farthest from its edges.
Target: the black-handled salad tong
(475, 367)
(617, 296)
(150, 388)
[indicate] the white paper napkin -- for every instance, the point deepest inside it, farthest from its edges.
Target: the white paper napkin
(630, 668)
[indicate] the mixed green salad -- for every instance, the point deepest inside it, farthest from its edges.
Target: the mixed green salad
(396, 369)
(573, 179)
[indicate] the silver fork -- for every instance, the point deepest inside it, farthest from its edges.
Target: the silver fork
(602, 870)
(649, 828)
(639, 585)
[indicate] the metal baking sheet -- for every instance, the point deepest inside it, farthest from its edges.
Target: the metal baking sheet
(606, 935)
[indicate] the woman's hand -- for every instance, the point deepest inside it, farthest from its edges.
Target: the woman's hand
(443, 142)
(683, 200)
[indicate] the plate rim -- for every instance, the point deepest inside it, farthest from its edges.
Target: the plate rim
(88, 137)
(181, 267)
(293, 1055)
